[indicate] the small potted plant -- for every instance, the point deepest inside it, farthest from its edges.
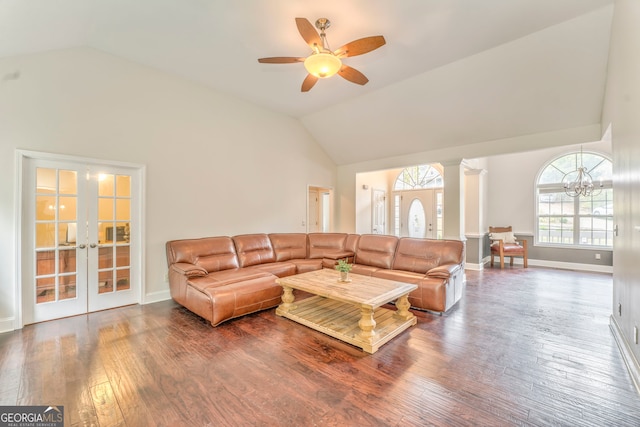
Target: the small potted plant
(344, 268)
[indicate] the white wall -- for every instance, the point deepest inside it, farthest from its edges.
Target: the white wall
(622, 111)
(216, 165)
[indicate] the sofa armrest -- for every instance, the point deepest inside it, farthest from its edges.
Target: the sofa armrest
(189, 270)
(443, 271)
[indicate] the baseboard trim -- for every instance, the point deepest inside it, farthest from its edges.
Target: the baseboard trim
(156, 297)
(627, 355)
(569, 265)
(557, 264)
(7, 324)
(473, 267)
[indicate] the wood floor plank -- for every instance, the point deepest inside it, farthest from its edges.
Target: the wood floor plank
(524, 347)
(107, 408)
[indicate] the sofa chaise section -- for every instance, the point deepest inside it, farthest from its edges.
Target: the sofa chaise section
(205, 276)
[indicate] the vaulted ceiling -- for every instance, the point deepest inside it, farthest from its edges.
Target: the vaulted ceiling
(452, 73)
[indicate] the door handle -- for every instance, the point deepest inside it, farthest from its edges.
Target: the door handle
(82, 246)
(93, 245)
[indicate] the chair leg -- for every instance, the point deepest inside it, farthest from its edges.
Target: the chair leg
(501, 261)
(492, 260)
(511, 262)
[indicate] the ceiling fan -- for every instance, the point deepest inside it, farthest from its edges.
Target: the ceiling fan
(323, 62)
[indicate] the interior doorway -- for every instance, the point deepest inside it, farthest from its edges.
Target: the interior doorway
(378, 211)
(319, 209)
(80, 236)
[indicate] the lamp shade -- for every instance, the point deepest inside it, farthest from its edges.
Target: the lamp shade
(322, 64)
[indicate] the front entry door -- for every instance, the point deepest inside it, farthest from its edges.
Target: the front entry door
(421, 213)
(79, 250)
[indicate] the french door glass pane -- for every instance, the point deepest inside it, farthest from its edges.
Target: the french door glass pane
(123, 186)
(114, 216)
(123, 281)
(55, 230)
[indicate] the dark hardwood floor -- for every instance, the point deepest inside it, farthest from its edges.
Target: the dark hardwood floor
(525, 347)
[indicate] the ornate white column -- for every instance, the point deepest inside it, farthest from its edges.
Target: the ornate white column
(454, 204)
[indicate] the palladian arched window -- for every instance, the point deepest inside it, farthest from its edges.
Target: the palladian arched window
(565, 218)
(416, 177)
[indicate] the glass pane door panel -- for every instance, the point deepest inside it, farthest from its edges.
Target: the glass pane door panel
(122, 256)
(67, 208)
(45, 289)
(67, 261)
(105, 257)
(123, 209)
(122, 280)
(68, 182)
(105, 281)
(45, 235)
(105, 209)
(45, 263)
(46, 180)
(105, 185)
(45, 208)
(123, 186)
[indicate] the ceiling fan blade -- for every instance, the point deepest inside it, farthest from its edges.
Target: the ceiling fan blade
(308, 32)
(360, 46)
(353, 75)
(280, 60)
(309, 82)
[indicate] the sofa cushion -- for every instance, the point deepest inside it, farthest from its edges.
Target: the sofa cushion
(365, 270)
(376, 250)
(323, 245)
(417, 255)
(506, 237)
(451, 251)
(306, 265)
(254, 249)
(289, 246)
(209, 253)
(280, 269)
(225, 277)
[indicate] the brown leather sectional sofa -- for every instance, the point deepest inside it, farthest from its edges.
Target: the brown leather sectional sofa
(220, 278)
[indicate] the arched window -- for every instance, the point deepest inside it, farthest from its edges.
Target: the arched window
(580, 221)
(416, 177)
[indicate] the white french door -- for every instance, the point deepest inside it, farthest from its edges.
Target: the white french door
(81, 250)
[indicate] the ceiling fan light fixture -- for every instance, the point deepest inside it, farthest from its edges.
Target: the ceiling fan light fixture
(322, 64)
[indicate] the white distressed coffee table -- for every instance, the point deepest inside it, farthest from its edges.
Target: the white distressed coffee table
(351, 311)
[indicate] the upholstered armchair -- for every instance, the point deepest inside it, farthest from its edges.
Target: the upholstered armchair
(504, 244)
